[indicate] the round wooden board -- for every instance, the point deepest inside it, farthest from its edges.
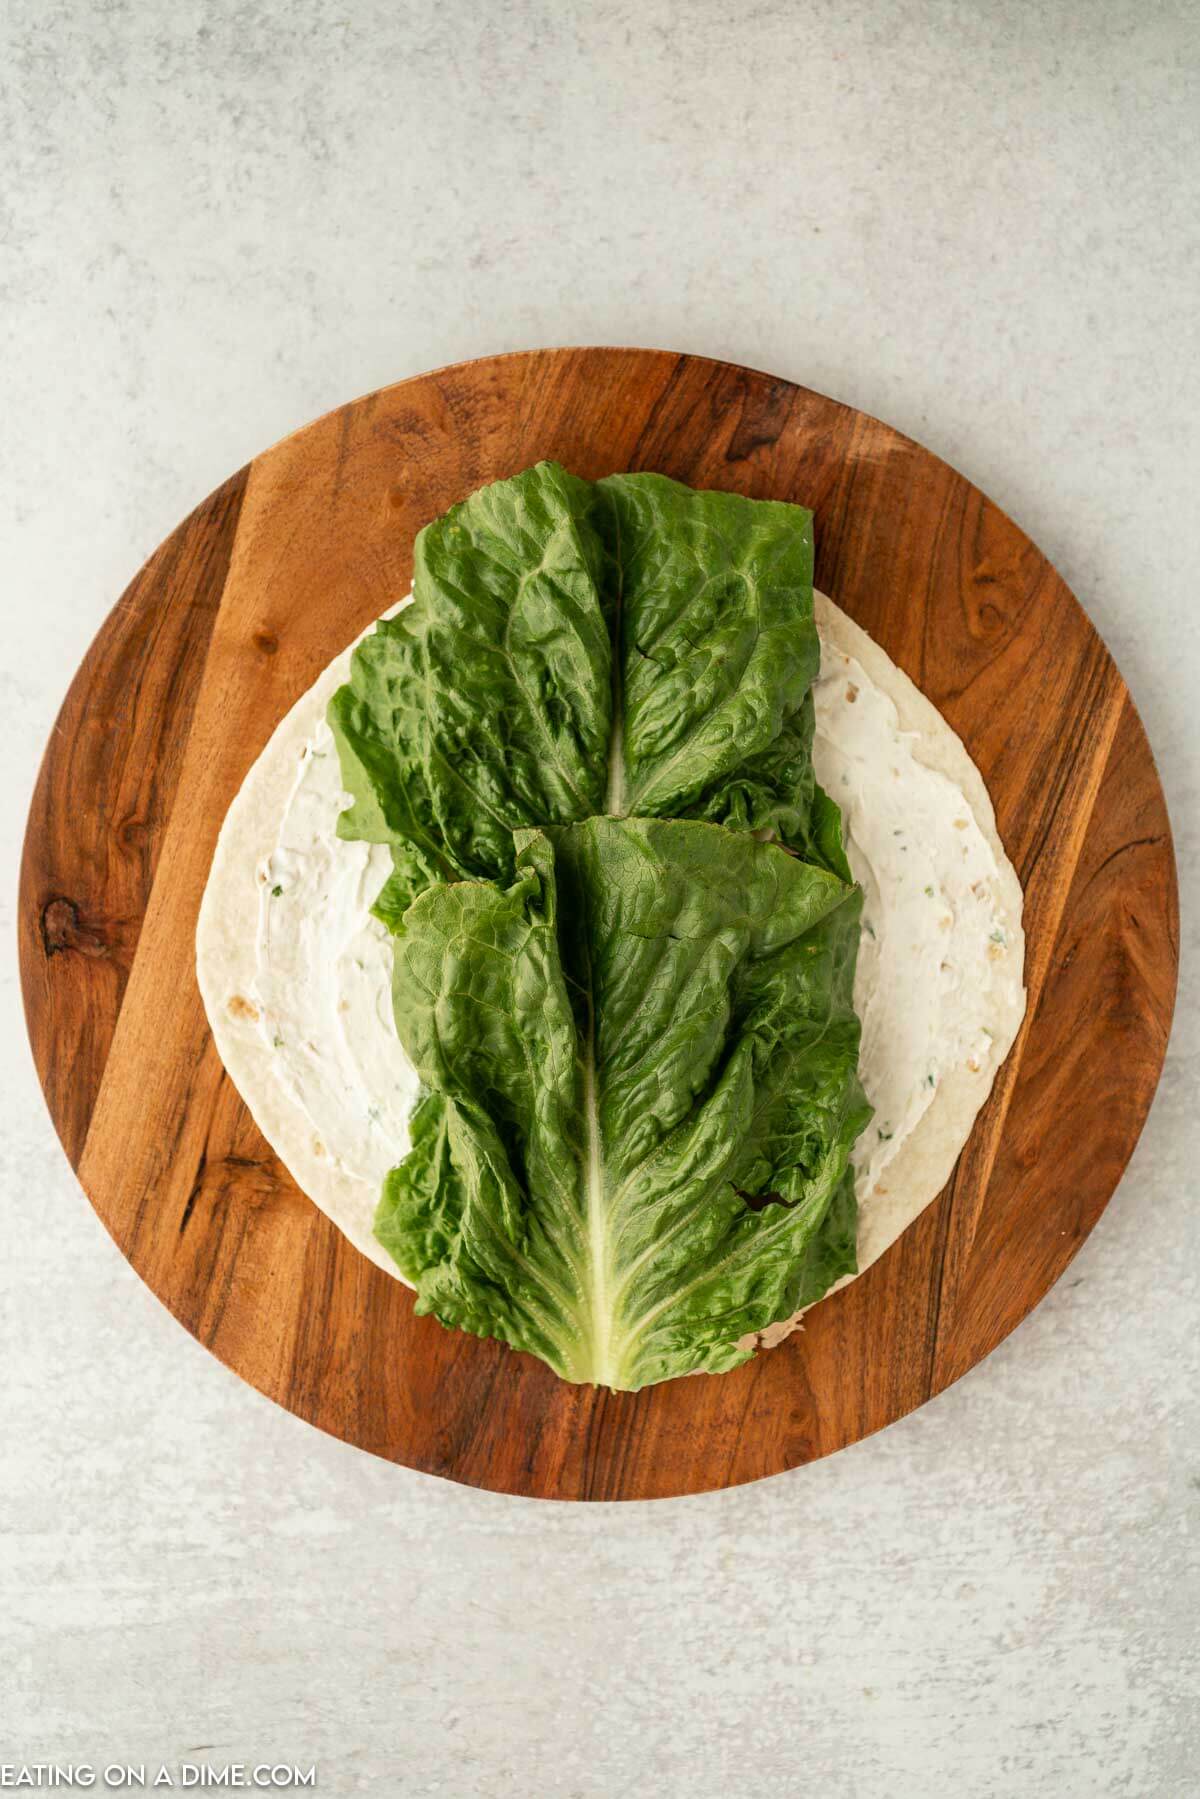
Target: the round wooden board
(237, 614)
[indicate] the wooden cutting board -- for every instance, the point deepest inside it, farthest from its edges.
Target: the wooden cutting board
(237, 614)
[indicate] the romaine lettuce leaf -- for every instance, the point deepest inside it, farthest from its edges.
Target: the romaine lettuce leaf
(485, 704)
(625, 646)
(636, 1037)
(712, 615)
(640, 1058)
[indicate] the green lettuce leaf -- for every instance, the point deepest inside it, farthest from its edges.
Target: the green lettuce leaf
(640, 1061)
(485, 704)
(625, 646)
(712, 613)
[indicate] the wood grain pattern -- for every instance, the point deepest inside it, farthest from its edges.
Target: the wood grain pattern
(238, 613)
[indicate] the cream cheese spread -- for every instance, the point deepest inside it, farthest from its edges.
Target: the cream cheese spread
(933, 939)
(323, 976)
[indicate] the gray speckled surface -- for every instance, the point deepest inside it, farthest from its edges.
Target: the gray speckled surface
(978, 222)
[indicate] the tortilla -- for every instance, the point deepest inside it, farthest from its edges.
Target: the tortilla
(227, 935)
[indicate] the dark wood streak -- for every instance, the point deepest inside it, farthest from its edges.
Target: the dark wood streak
(1125, 849)
(762, 418)
(236, 615)
(193, 1196)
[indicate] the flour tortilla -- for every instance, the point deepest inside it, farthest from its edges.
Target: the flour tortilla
(916, 1175)
(228, 926)
(226, 936)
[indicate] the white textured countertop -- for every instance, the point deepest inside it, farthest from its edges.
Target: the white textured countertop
(978, 222)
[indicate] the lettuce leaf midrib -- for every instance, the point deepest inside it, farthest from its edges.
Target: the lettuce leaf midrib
(599, 1310)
